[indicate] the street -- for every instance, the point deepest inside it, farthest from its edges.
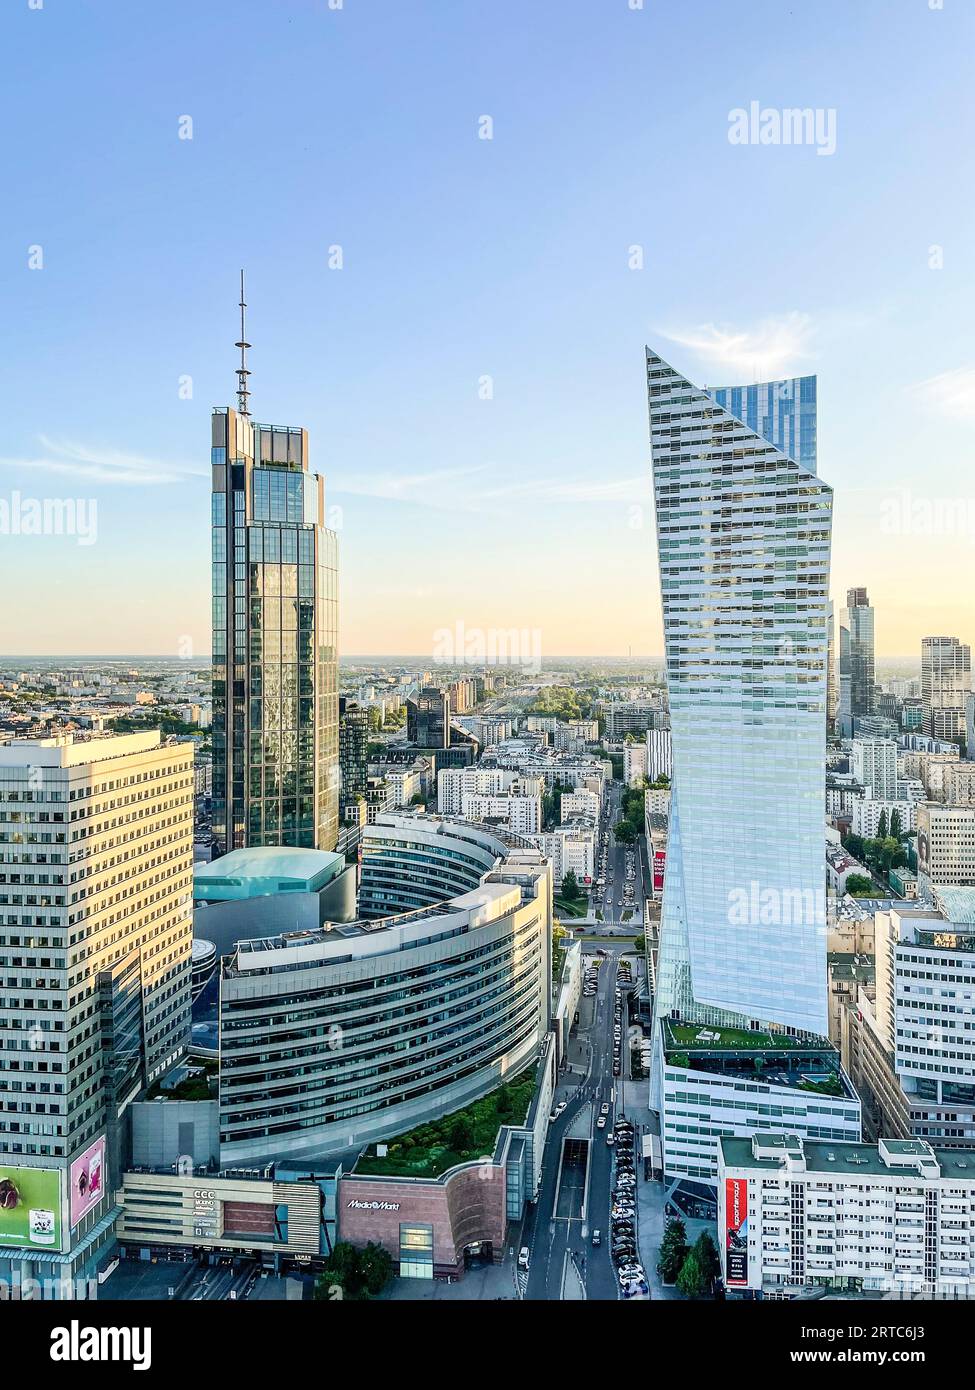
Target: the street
(574, 1198)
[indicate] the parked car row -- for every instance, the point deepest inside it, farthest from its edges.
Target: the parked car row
(625, 1252)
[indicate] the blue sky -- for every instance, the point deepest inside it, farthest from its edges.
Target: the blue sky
(463, 259)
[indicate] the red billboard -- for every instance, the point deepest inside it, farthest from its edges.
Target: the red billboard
(736, 1231)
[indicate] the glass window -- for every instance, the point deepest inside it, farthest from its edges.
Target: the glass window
(415, 1252)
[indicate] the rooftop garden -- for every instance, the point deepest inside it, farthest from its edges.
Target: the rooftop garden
(430, 1149)
(702, 1036)
(775, 1058)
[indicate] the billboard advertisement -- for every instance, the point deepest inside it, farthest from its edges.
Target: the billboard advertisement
(30, 1207)
(736, 1231)
(87, 1181)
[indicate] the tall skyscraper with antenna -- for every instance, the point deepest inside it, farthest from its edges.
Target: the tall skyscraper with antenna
(275, 634)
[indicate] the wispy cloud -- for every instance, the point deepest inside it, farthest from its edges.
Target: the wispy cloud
(410, 487)
(618, 490)
(102, 465)
(770, 349)
(950, 393)
(452, 489)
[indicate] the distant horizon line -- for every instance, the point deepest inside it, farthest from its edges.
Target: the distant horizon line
(415, 658)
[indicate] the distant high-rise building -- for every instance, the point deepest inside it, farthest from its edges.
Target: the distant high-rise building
(946, 682)
(353, 753)
(832, 672)
(275, 635)
(96, 875)
(428, 718)
(844, 708)
(858, 618)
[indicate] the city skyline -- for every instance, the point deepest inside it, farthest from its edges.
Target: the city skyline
(477, 425)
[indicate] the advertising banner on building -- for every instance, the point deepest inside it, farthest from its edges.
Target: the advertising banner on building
(30, 1208)
(736, 1231)
(87, 1180)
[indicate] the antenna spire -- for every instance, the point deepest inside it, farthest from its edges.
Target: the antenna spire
(243, 344)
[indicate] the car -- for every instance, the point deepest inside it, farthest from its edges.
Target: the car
(597, 1238)
(523, 1258)
(616, 1070)
(610, 1140)
(601, 1122)
(560, 1107)
(604, 1108)
(623, 1228)
(553, 1116)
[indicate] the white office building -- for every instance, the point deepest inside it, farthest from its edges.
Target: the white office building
(873, 762)
(580, 803)
(660, 755)
(925, 1012)
(96, 932)
(523, 814)
(634, 763)
(571, 848)
(890, 1218)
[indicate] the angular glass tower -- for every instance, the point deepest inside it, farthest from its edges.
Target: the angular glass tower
(743, 531)
(275, 635)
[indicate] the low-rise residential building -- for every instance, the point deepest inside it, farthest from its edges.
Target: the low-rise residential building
(868, 814)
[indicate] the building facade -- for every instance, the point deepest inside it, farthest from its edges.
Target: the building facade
(858, 619)
(96, 929)
(334, 1038)
(946, 682)
(743, 539)
(275, 636)
(890, 1218)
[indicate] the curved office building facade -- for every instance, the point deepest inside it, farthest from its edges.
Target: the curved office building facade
(337, 1037)
(411, 861)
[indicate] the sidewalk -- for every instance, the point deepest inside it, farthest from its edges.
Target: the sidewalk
(486, 1285)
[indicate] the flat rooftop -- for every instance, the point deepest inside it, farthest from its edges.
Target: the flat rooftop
(261, 871)
(851, 1160)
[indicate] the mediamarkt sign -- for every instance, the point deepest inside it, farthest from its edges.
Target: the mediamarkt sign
(356, 1205)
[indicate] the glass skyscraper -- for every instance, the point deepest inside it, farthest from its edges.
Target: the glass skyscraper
(743, 530)
(275, 636)
(858, 619)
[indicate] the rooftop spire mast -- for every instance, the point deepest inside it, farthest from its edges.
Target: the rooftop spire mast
(243, 344)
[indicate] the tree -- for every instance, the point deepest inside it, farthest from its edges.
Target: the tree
(673, 1250)
(461, 1133)
(707, 1255)
(375, 1268)
(624, 832)
(357, 1273)
(896, 829)
(570, 887)
(882, 826)
(859, 886)
(691, 1281)
(504, 1104)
